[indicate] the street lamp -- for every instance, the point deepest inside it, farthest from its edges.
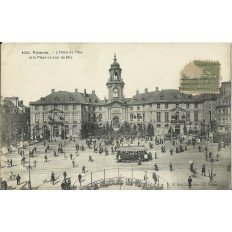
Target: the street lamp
(29, 158)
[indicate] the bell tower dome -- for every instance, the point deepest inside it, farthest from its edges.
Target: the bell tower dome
(115, 82)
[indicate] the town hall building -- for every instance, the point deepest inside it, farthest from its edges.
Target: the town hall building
(64, 112)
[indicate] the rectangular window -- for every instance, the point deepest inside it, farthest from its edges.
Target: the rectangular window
(138, 107)
(187, 116)
(166, 106)
(166, 116)
(131, 117)
(74, 117)
(195, 105)
(187, 105)
(196, 116)
(66, 107)
(158, 116)
(100, 117)
(44, 107)
(158, 106)
(131, 108)
(66, 117)
(45, 117)
(74, 107)
(139, 117)
(36, 107)
(36, 117)
(100, 108)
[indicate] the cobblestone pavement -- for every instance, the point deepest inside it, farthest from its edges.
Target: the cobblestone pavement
(41, 174)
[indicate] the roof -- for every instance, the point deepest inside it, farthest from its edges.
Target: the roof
(65, 97)
(167, 95)
(174, 95)
(132, 148)
(141, 98)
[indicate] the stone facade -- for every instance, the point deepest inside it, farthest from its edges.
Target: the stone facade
(223, 109)
(64, 112)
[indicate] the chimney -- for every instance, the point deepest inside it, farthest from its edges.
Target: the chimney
(85, 92)
(21, 102)
(76, 90)
(53, 90)
(156, 89)
(146, 90)
(137, 92)
(93, 92)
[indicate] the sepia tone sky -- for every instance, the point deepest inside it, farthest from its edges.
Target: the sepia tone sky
(144, 65)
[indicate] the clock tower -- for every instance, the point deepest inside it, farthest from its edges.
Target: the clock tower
(115, 83)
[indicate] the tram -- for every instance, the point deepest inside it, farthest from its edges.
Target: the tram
(133, 154)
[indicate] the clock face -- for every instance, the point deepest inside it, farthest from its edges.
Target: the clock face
(115, 90)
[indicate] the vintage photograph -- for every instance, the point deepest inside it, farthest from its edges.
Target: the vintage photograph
(115, 116)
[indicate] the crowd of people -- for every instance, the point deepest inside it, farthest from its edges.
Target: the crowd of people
(98, 145)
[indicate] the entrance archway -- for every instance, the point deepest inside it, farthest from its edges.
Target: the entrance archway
(55, 131)
(177, 129)
(115, 123)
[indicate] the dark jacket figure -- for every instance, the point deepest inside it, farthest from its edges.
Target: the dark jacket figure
(79, 178)
(53, 178)
(45, 158)
(203, 170)
(65, 175)
(83, 169)
(68, 184)
(63, 186)
(18, 178)
(190, 182)
(170, 166)
(156, 167)
(71, 156)
(154, 176)
(171, 151)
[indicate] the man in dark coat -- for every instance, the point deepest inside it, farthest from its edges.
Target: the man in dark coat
(18, 178)
(190, 182)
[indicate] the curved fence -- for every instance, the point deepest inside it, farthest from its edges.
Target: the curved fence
(120, 177)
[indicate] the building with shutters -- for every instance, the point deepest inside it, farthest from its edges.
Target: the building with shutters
(223, 109)
(63, 112)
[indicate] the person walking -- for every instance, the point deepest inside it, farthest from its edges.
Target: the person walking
(71, 156)
(79, 178)
(83, 169)
(154, 176)
(190, 182)
(65, 174)
(45, 158)
(73, 163)
(18, 178)
(53, 178)
(203, 170)
(170, 166)
(11, 163)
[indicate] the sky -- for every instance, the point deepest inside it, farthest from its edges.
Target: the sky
(144, 65)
